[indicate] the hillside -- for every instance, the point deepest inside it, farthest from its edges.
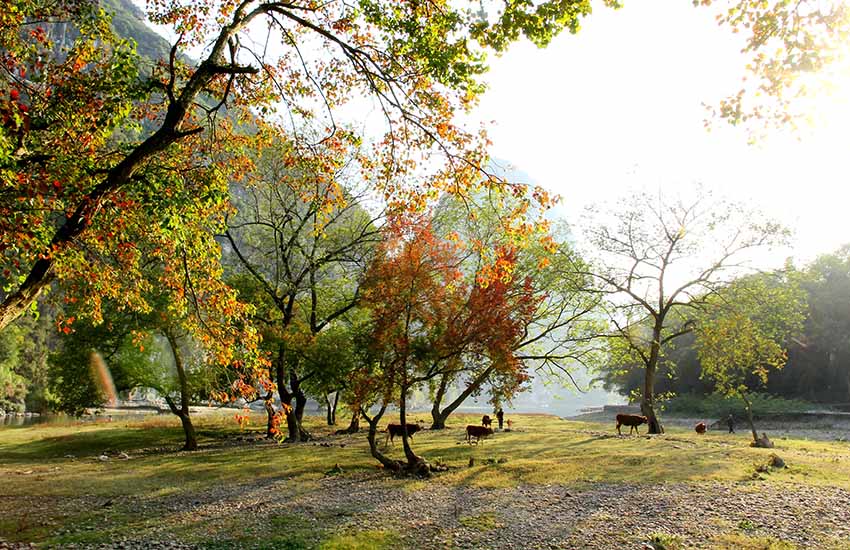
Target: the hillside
(128, 20)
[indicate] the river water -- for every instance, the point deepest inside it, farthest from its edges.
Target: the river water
(15, 421)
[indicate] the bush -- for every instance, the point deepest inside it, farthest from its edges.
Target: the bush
(719, 406)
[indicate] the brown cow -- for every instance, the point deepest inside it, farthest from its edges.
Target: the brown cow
(700, 428)
(486, 421)
(477, 432)
(632, 420)
(398, 430)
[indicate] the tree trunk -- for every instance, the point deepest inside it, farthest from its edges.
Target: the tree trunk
(331, 408)
(183, 412)
(354, 425)
(647, 404)
(293, 422)
(438, 420)
(439, 417)
(749, 408)
(268, 403)
(386, 462)
(300, 405)
(191, 443)
(16, 303)
(189, 431)
(415, 464)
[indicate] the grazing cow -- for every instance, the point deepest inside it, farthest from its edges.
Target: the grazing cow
(398, 430)
(486, 421)
(477, 432)
(631, 420)
(700, 428)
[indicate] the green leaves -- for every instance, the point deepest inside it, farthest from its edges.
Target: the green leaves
(746, 329)
(538, 22)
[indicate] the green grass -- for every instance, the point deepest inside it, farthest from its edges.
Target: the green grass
(480, 522)
(117, 493)
(663, 541)
(364, 540)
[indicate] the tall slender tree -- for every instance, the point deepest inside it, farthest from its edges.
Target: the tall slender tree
(299, 241)
(747, 331)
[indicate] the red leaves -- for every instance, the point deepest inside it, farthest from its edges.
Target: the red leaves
(427, 314)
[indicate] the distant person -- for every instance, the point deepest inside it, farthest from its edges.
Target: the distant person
(731, 423)
(500, 416)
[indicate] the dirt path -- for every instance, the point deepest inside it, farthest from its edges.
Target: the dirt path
(431, 515)
(597, 516)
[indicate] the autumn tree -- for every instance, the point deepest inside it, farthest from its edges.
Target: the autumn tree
(658, 260)
(72, 153)
(546, 298)
(746, 333)
(426, 316)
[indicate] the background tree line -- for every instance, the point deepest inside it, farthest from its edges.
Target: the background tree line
(818, 357)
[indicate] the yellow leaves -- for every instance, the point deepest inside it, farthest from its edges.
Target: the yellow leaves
(243, 419)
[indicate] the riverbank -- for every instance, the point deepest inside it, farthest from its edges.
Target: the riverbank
(814, 425)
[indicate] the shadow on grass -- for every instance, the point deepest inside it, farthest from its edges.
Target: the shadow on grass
(83, 441)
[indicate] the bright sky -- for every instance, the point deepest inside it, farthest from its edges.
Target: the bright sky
(619, 106)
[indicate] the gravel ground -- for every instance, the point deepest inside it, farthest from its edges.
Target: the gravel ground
(431, 515)
(596, 516)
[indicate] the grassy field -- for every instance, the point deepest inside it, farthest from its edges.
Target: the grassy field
(56, 491)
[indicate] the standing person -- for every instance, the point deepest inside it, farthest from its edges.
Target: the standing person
(500, 416)
(731, 423)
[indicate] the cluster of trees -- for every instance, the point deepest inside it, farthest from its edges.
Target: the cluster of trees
(222, 226)
(818, 354)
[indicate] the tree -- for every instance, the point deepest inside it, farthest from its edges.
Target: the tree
(816, 368)
(299, 244)
(180, 375)
(746, 332)
(172, 287)
(794, 51)
(332, 358)
(547, 298)
(679, 372)
(819, 363)
(24, 349)
(658, 261)
(71, 378)
(426, 317)
(65, 145)
(71, 152)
